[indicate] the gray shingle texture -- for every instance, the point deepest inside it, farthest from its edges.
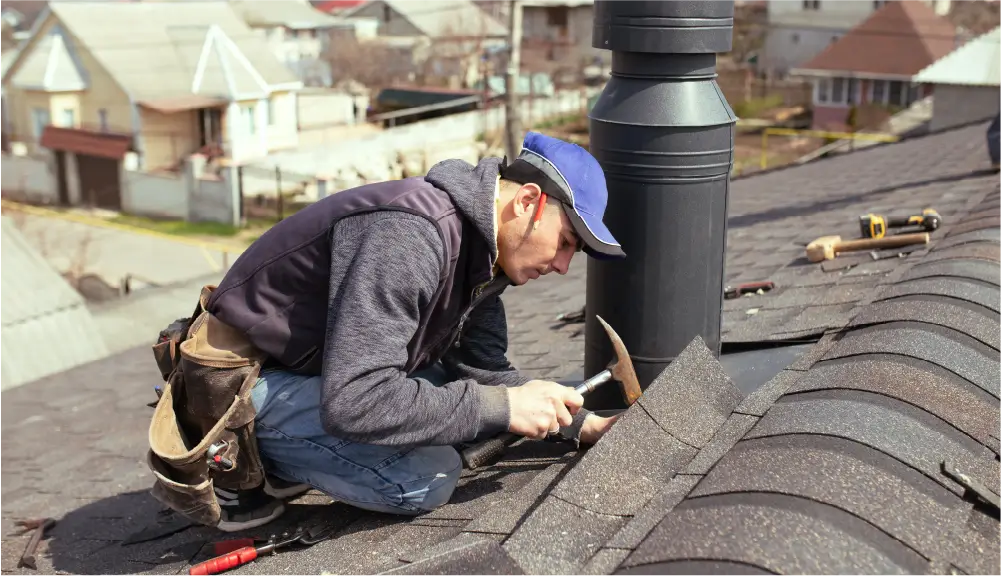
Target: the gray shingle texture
(973, 291)
(484, 556)
(892, 401)
(692, 397)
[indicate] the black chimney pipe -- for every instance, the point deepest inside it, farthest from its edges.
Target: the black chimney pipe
(663, 133)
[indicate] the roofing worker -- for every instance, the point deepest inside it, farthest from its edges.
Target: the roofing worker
(379, 310)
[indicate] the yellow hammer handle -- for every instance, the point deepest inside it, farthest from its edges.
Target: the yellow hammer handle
(885, 242)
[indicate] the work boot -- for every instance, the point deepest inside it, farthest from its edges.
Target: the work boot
(246, 509)
(283, 489)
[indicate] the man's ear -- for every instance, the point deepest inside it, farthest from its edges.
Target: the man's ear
(526, 198)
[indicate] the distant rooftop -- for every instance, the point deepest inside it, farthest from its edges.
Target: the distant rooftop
(976, 63)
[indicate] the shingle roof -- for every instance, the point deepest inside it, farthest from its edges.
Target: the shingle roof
(899, 39)
(50, 66)
(39, 309)
(976, 63)
(833, 465)
(157, 46)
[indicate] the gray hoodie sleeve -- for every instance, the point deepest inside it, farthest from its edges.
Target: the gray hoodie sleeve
(384, 270)
(482, 355)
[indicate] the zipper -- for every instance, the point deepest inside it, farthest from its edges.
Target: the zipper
(477, 297)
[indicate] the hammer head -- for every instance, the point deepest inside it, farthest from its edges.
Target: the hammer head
(622, 370)
(822, 248)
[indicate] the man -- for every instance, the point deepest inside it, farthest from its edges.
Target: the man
(380, 309)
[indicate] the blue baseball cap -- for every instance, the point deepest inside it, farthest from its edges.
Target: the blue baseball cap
(568, 173)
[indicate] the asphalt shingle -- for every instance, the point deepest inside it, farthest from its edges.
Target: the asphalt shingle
(869, 411)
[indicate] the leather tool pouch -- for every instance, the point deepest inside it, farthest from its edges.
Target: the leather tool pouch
(202, 432)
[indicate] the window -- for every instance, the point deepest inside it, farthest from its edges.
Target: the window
(811, 4)
(877, 4)
(878, 91)
(823, 90)
(39, 120)
(248, 118)
(68, 118)
(272, 111)
(893, 93)
(102, 119)
(853, 90)
(838, 90)
(896, 89)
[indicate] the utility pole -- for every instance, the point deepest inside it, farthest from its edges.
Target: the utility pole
(512, 123)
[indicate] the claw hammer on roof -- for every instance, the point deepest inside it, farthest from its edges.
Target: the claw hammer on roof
(621, 370)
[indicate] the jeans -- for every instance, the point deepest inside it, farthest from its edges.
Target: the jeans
(295, 448)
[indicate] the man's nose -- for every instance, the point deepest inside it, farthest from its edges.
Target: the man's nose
(562, 262)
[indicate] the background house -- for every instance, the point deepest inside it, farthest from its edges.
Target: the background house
(872, 67)
(800, 30)
(448, 41)
(965, 82)
(335, 6)
(297, 33)
(174, 78)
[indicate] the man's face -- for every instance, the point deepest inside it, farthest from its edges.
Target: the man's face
(527, 253)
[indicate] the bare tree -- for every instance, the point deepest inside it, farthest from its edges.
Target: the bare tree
(975, 18)
(748, 32)
(460, 51)
(373, 63)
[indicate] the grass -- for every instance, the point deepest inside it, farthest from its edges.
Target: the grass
(177, 227)
(755, 106)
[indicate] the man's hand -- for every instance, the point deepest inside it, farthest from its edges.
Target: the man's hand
(540, 407)
(594, 427)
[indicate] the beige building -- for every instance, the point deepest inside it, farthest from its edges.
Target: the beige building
(297, 33)
(107, 84)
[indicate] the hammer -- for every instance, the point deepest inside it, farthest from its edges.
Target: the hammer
(621, 371)
(827, 247)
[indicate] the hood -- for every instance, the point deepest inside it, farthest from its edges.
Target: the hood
(472, 190)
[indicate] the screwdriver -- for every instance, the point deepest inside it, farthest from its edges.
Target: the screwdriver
(233, 559)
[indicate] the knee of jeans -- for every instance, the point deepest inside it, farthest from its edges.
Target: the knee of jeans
(450, 466)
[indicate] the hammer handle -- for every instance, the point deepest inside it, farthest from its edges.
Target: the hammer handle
(885, 242)
(479, 454)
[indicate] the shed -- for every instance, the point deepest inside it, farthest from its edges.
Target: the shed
(966, 82)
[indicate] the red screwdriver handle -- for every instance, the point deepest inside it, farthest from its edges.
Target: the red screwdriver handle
(226, 562)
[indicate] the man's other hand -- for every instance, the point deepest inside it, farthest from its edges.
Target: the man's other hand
(594, 427)
(540, 407)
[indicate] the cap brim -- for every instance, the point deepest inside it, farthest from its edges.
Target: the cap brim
(598, 241)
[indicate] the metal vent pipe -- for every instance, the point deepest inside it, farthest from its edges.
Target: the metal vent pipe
(663, 133)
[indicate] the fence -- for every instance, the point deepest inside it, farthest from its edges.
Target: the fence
(185, 196)
(29, 178)
(404, 150)
(274, 193)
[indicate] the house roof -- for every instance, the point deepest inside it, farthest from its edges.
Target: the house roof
(39, 308)
(169, 49)
(51, 65)
(976, 63)
(336, 5)
(294, 14)
(899, 39)
(445, 18)
(832, 465)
